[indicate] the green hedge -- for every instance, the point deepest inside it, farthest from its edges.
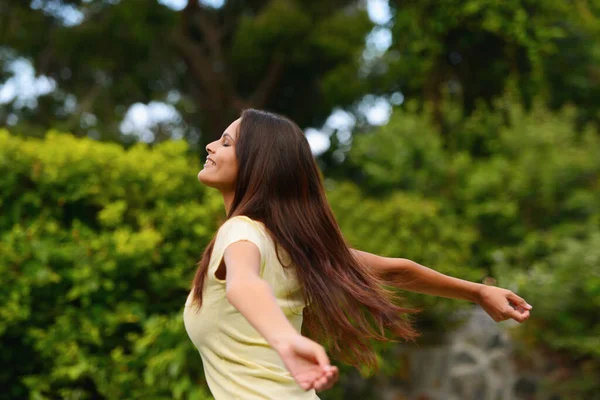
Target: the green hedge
(97, 253)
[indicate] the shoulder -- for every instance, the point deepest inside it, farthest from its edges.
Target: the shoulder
(242, 222)
(239, 228)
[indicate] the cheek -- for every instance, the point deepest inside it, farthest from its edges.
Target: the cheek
(232, 170)
(227, 170)
(231, 160)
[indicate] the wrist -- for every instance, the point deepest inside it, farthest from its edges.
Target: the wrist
(281, 342)
(475, 292)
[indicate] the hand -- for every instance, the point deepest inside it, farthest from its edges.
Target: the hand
(502, 304)
(308, 363)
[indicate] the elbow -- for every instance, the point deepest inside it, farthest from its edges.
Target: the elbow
(406, 268)
(392, 267)
(404, 263)
(387, 265)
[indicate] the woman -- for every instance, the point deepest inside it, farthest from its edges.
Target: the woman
(280, 254)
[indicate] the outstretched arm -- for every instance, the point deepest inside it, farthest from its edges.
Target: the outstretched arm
(253, 298)
(408, 275)
(500, 304)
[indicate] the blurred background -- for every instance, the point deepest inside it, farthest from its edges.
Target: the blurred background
(463, 134)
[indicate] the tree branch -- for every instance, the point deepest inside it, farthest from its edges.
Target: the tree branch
(265, 88)
(195, 58)
(213, 36)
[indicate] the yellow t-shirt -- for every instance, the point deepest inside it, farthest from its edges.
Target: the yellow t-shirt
(238, 362)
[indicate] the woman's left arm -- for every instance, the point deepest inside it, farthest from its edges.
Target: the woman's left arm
(500, 304)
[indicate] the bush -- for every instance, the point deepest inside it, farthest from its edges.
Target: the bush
(98, 250)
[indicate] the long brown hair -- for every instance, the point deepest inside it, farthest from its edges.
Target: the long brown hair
(279, 184)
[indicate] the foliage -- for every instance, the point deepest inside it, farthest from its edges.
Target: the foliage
(565, 286)
(490, 167)
(99, 243)
(406, 154)
(541, 175)
(536, 202)
(527, 185)
(473, 48)
(410, 226)
(299, 58)
(209, 63)
(97, 248)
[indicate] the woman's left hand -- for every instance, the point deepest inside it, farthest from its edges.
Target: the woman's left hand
(502, 304)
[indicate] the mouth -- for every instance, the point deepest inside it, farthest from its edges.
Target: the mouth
(209, 162)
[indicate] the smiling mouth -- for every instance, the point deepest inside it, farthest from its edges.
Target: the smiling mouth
(209, 163)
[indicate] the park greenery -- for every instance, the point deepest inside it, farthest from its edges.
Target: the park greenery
(488, 170)
(99, 243)
(300, 58)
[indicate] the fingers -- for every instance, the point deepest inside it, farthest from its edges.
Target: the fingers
(305, 385)
(334, 378)
(322, 358)
(326, 381)
(320, 383)
(322, 375)
(516, 315)
(518, 301)
(520, 312)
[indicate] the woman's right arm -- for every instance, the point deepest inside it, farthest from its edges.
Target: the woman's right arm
(253, 297)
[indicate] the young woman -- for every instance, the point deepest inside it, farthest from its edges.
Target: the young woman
(279, 265)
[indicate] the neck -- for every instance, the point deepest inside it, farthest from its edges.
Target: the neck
(227, 200)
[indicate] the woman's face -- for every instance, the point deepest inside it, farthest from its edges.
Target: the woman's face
(221, 168)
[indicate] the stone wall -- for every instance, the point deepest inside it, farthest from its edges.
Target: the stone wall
(474, 363)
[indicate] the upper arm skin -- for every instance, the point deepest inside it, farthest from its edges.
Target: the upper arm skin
(380, 265)
(242, 262)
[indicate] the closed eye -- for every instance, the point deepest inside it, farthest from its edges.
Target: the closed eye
(226, 139)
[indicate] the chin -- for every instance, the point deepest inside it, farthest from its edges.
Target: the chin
(208, 180)
(203, 179)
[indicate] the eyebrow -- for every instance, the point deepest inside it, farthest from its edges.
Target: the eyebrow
(227, 134)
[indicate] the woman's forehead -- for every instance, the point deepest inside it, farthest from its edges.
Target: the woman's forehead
(232, 129)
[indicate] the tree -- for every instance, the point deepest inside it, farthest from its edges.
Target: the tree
(289, 56)
(469, 50)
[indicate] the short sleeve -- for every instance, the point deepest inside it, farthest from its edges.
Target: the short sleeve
(241, 228)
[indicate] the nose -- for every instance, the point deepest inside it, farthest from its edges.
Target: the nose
(209, 150)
